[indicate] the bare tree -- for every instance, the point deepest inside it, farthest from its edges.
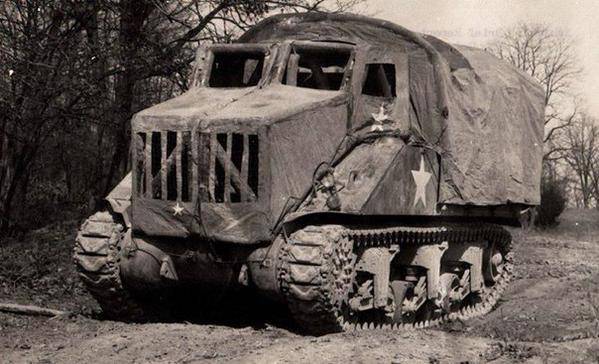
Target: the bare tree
(582, 156)
(40, 87)
(548, 56)
(73, 72)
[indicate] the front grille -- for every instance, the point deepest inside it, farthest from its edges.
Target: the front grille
(185, 166)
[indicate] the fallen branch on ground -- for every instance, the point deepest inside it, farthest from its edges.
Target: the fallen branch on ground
(31, 310)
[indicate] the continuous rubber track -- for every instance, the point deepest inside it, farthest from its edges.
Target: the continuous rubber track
(96, 258)
(316, 271)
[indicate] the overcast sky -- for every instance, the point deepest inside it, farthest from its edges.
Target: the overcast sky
(475, 23)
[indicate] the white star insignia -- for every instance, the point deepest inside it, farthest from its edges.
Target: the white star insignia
(376, 127)
(178, 210)
(379, 119)
(421, 178)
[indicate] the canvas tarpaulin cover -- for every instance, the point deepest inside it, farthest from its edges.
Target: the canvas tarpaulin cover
(483, 116)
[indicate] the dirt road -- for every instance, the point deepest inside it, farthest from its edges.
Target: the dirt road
(549, 315)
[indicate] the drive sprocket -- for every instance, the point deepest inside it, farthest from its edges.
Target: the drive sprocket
(96, 257)
(317, 271)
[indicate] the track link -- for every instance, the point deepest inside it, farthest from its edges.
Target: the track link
(316, 275)
(96, 257)
(316, 271)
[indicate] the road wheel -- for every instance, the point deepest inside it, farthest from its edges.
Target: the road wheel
(402, 291)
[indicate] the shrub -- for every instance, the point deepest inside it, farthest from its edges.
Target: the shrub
(553, 202)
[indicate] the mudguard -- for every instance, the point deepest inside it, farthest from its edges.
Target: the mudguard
(120, 198)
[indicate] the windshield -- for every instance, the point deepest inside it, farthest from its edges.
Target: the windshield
(236, 68)
(319, 68)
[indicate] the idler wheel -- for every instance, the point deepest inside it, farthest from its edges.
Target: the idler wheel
(493, 264)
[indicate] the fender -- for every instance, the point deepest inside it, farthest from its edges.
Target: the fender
(379, 179)
(120, 198)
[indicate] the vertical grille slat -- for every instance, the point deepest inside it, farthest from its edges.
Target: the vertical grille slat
(204, 158)
(227, 167)
(171, 166)
(206, 167)
(253, 165)
(244, 165)
(154, 187)
(230, 183)
(186, 167)
(148, 165)
(139, 184)
(163, 166)
(211, 167)
(179, 168)
(197, 185)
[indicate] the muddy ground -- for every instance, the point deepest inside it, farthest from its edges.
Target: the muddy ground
(549, 315)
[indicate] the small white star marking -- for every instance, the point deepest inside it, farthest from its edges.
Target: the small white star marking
(376, 127)
(421, 178)
(379, 119)
(178, 210)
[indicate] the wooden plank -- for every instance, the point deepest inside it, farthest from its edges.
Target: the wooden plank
(205, 80)
(31, 310)
(227, 167)
(163, 165)
(188, 167)
(170, 164)
(194, 165)
(138, 162)
(264, 187)
(235, 178)
(245, 161)
(402, 82)
(204, 166)
(149, 165)
(292, 69)
(179, 170)
(383, 82)
(212, 166)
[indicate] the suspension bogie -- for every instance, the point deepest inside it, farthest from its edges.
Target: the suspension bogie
(404, 275)
(443, 274)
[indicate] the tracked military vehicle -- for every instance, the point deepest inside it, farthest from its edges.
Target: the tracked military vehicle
(351, 169)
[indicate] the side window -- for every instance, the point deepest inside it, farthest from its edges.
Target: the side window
(236, 69)
(321, 69)
(380, 80)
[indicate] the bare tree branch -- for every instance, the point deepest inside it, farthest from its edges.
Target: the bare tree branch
(549, 57)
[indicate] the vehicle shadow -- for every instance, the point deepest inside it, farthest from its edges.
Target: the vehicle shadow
(236, 309)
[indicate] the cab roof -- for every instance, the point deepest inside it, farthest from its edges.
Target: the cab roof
(351, 29)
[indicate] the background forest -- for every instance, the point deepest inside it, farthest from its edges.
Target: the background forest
(73, 72)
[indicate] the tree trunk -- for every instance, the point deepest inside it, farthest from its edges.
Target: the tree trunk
(133, 15)
(95, 181)
(7, 204)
